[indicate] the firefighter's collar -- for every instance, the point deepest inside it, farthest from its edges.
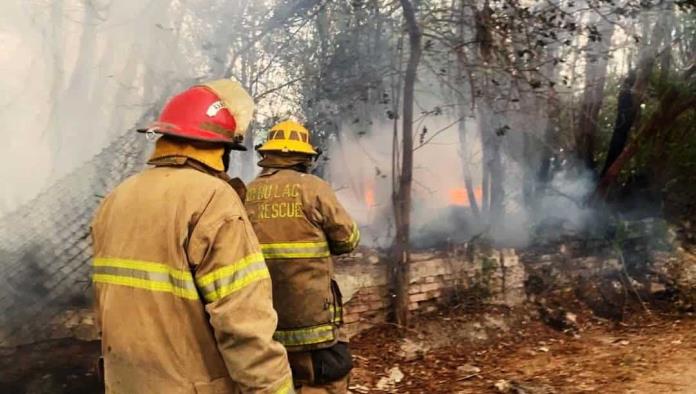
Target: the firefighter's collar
(171, 152)
(270, 171)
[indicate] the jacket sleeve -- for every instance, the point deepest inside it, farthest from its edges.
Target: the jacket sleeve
(232, 278)
(341, 231)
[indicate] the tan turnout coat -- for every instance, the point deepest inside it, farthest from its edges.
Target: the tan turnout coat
(300, 224)
(183, 295)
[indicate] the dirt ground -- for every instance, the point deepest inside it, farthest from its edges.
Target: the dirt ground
(464, 353)
(650, 354)
(55, 366)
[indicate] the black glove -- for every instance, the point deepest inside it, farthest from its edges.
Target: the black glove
(331, 364)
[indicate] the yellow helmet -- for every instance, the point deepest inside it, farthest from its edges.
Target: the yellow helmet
(288, 136)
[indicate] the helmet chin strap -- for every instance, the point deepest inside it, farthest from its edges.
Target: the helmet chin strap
(226, 158)
(319, 153)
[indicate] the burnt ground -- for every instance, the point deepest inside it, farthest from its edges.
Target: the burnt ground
(648, 354)
(54, 366)
(467, 352)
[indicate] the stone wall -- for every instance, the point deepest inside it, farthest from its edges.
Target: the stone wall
(574, 269)
(637, 261)
(436, 278)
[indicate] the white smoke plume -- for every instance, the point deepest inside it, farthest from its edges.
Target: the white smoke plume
(360, 170)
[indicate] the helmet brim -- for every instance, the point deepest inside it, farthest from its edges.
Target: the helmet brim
(201, 138)
(287, 146)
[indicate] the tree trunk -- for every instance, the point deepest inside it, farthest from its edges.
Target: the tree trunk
(459, 8)
(543, 175)
(466, 168)
(485, 188)
(529, 177)
(492, 164)
(633, 91)
(672, 104)
(402, 201)
(497, 180)
(625, 114)
(595, 76)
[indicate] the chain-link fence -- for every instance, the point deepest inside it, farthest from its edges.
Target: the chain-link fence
(45, 247)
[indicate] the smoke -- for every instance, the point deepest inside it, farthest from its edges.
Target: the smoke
(18, 107)
(360, 170)
(77, 74)
(562, 208)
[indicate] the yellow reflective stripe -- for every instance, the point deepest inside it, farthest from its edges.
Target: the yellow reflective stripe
(145, 275)
(226, 280)
(306, 336)
(286, 388)
(294, 244)
(229, 270)
(222, 292)
(354, 236)
(295, 250)
(337, 314)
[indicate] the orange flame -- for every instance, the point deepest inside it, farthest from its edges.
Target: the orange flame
(458, 196)
(369, 196)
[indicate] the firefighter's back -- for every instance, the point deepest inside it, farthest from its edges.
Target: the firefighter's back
(155, 334)
(285, 208)
(282, 205)
(300, 223)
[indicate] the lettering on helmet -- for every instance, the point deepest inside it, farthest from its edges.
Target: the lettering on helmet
(214, 108)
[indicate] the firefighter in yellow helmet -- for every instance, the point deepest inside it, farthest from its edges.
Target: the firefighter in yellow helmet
(182, 292)
(300, 224)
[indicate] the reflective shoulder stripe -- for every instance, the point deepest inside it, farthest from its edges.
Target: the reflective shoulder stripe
(145, 275)
(306, 336)
(295, 250)
(226, 280)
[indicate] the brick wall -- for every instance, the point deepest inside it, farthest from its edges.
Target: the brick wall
(436, 277)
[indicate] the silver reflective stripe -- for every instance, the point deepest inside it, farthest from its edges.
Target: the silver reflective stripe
(145, 275)
(186, 284)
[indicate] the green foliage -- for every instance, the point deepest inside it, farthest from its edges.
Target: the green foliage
(669, 159)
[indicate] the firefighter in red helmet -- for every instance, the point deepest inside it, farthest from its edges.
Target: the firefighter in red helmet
(182, 292)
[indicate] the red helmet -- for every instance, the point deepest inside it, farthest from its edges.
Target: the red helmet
(207, 113)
